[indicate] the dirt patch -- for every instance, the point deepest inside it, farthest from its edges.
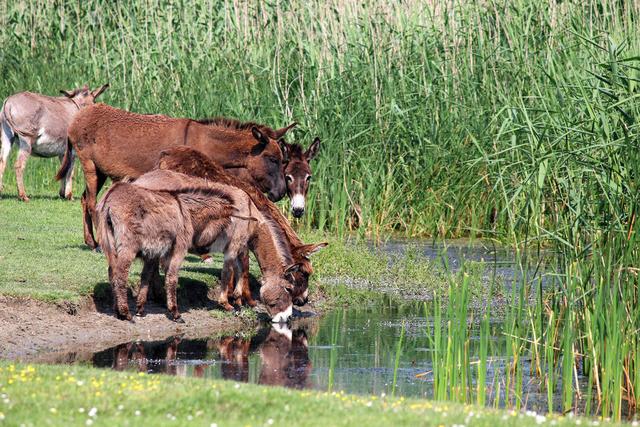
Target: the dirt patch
(37, 331)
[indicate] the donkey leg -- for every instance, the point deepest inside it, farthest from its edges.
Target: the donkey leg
(119, 280)
(21, 163)
(226, 282)
(93, 182)
(171, 285)
(148, 270)
(6, 136)
(243, 282)
(66, 191)
(155, 281)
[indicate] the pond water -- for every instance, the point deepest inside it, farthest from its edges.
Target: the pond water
(350, 349)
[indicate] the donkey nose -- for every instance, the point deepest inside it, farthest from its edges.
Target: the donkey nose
(297, 212)
(300, 301)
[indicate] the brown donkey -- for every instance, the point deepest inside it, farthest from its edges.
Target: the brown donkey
(270, 242)
(117, 144)
(193, 163)
(164, 214)
(297, 173)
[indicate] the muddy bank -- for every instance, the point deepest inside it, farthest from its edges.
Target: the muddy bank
(37, 331)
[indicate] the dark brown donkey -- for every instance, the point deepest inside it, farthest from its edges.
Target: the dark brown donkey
(297, 173)
(116, 144)
(194, 163)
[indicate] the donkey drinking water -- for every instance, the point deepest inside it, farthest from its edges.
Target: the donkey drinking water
(193, 163)
(164, 214)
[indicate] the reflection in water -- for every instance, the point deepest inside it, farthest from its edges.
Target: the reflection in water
(283, 357)
(353, 350)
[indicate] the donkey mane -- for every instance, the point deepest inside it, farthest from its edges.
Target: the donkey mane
(280, 240)
(204, 191)
(235, 124)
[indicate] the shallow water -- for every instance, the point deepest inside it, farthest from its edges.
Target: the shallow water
(352, 350)
(500, 263)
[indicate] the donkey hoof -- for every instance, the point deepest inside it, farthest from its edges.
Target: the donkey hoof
(178, 319)
(97, 249)
(227, 306)
(24, 198)
(141, 313)
(125, 317)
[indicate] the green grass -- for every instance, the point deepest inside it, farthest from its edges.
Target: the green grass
(431, 115)
(37, 395)
(43, 256)
(513, 119)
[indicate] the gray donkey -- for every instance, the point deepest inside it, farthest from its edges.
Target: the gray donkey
(39, 124)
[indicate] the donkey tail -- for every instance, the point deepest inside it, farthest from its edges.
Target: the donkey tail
(66, 162)
(106, 232)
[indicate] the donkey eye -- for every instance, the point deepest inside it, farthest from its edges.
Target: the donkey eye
(308, 178)
(289, 178)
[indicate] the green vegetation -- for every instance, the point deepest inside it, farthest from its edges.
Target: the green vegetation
(430, 117)
(43, 256)
(513, 119)
(36, 395)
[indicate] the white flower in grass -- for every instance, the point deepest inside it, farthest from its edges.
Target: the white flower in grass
(88, 422)
(93, 412)
(270, 421)
(540, 419)
(213, 425)
(137, 413)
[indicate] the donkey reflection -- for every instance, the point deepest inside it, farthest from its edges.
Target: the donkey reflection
(283, 353)
(156, 357)
(284, 357)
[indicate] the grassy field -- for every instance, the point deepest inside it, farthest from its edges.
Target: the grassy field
(435, 118)
(43, 256)
(37, 395)
(513, 119)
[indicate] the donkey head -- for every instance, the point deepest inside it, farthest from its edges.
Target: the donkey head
(298, 273)
(275, 293)
(264, 163)
(297, 173)
(83, 97)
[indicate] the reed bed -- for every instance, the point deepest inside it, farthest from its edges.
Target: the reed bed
(510, 119)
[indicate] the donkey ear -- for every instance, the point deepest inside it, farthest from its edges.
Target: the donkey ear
(293, 268)
(259, 136)
(313, 149)
(97, 92)
(308, 250)
(281, 132)
(68, 94)
(285, 150)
